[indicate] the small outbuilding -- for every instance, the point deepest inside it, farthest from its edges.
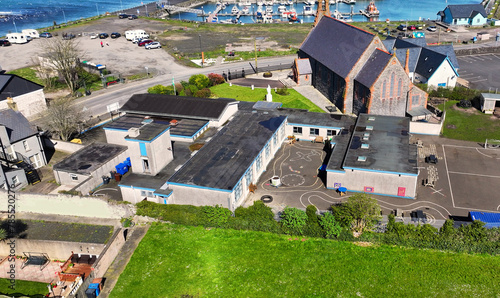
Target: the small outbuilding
(488, 102)
(302, 71)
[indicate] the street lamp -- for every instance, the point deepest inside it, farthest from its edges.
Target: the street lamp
(97, 8)
(66, 22)
(201, 51)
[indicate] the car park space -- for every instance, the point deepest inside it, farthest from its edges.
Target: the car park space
(480, 71)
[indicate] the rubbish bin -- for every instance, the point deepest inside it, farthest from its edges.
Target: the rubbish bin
(117, 177)
(106, 179)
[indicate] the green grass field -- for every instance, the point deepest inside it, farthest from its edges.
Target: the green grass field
(23, 288)
(293, 100)
(172, 261)
(470, 125)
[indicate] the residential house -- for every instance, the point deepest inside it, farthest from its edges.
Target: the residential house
(21, 95)
(21, 150)
(353, 69)
(464, 14)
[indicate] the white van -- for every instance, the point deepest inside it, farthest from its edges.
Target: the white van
(16, 38)
(132, 34)
(31, 33)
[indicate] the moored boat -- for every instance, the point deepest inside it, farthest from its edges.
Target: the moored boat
(371, 10)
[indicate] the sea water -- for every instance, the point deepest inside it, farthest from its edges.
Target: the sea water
(16, 15)
(394, 10)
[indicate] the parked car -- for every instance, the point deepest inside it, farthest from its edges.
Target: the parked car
(412, 27)
(115, 35)
(144, 42)
(123, 16)
(419, 26)
(137, 39)
(94, 35)
(402, 27)
(431, 159)
(153, 45)
(132, 17)
(432, 28)
(68, 36)
(4, 42)
(103, 35)
(45, 35)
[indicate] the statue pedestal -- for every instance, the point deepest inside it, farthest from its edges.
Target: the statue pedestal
(269, 97)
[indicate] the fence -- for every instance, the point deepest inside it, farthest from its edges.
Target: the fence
(237, 73)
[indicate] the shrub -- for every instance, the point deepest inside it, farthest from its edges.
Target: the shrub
(179, 214)
(258, 211)
(293, 220)
(283, 91)
(199, 80)
(216, 215)
(215, 79)
(268, 74)
(191, 90)
(330, 226)
(465, 103)
(203, 93)
(360, 212)
(158, 89)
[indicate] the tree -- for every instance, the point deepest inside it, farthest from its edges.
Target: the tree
(293, 220)
(200, 81)
(62, 56)
(360, 212)
(160, 89)
(330, 225)
(63, 118)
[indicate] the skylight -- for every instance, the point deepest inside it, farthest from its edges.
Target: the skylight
(371, 118)
(365, 146)
(369, 128)
(361, 158)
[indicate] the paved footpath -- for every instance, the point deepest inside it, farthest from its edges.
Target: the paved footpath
(122, 259)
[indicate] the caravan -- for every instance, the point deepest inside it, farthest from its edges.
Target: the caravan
(16, 38)
(133, 34)
(30, 33)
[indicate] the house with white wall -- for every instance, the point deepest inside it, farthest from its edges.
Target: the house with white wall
(464, 14)
(21, 95)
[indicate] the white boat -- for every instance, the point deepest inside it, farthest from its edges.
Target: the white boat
(260, 13)
(332, 2)
(281, 8)
(283, 2)
(308, 11)
(268, 3)
(268, 18)
(245, 10)
(310, 2)
(260, 3)
(338, 15)
(235, 10)
(269, 10)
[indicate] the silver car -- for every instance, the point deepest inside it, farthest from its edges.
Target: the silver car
(153, 45)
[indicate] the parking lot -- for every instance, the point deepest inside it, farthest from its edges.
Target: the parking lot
(480, 71)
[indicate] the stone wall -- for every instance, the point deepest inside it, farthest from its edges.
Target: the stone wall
(67, 205)
(476, 51)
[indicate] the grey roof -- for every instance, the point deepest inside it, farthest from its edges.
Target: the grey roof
(17, 126)
(466, 10)
(265, 105)
(373, 68)
(419, 111)
(223, 161)
(304, 66)
(296, 116)
(336, 45)
(184, 127)
(419, 42)
(13, 86)
(491, 96)
(391, 42)
(428, 62)
(448, 51)
(389, 145)
(412, 57)
(89, 158)
(339, 151)
(149, 131)
(176, 106)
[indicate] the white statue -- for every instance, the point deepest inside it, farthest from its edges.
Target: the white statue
(269, 96)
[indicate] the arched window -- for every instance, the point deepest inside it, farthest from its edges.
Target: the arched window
(400, 86)
(384, 87)
(392, 86)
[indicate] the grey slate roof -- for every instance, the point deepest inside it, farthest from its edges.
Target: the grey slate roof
(419, 42)
(448, 51)
(17, 126)
(13, 86)
(89, 158)
(428, 62)
(176, 106)
(412, 57)
(304, 66)
(391, 42)
(466, 10)
(336, 45)
(389, 145)
(373, 68)
(223, 161)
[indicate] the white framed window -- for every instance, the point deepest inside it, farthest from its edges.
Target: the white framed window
(249, 176)
(331, 132)
(73, 177)
(258, 163)
(297, 130)
(314, 131)
(15, 180)
(268, 151)
(36, 161)
(26, 145)
(365, 146)
(237, 192)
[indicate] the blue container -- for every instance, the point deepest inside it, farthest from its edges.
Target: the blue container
(127, 162)
(121, 168)
(92, 291)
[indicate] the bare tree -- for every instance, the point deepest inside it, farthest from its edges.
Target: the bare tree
(64, 118)
(62, 56)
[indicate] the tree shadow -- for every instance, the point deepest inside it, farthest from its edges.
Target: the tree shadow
(14, 229)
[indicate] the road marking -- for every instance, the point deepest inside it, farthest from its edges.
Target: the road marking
(498, 208)
(486, 154)
(478, 81)
(439, 192)
(448, 174)
(472, 174)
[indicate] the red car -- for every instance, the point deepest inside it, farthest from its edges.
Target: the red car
(144, 42)
(412, 27)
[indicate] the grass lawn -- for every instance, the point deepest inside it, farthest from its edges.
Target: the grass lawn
(172, 261)
(469, 125)
(23, 288)
(28, 73)
(293, 100)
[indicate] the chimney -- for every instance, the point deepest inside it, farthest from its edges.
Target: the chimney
(407, 69)
(133, 132)
(11, 104)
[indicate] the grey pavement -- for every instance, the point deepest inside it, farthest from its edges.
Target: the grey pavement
(314, 96)
(113, 273)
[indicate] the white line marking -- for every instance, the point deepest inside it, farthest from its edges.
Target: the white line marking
(105, 189)
(472, 174)
(439, 192)
(477, 81)
(448, 175)
(498, 208)
(467, 147)
(486, 154)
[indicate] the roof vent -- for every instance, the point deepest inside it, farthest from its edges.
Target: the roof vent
(371, 118)
(147, 120)
(174, 122)
(365, 146)
(361, 158)
(134, 132)
(369, 128)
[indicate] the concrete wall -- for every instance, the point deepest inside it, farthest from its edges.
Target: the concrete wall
(185, 195)
(426, 128)
(158, 155)
(57, 250)
(59, 145)
(230, 110)
(67, 205)
(110, 251)
(381, 183)
(134, 194)
(116, 136)
(305, 135)
(28, 104)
